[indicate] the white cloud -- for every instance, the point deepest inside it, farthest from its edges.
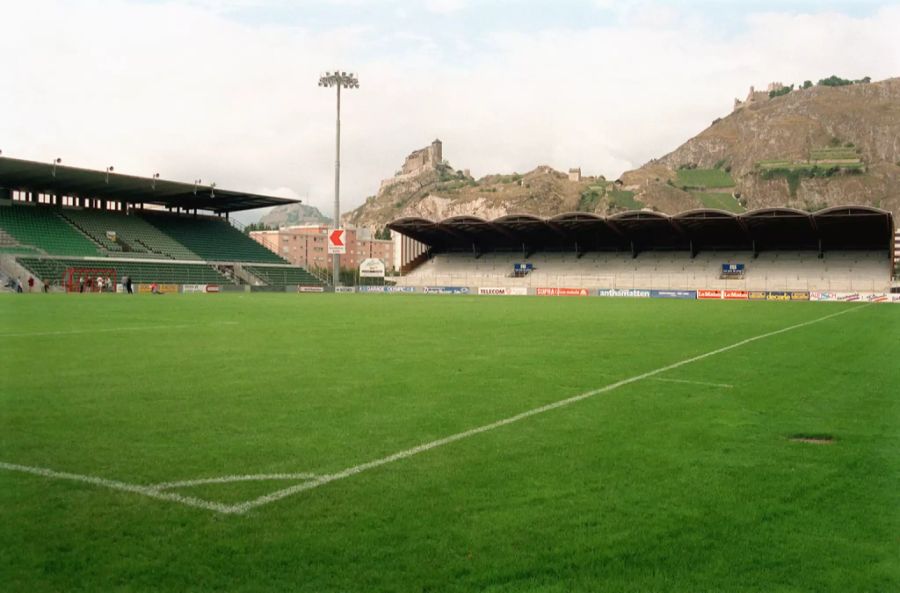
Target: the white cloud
(188, 92)
(445, 6)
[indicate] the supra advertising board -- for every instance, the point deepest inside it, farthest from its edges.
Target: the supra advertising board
(625, 292)
(673, 294)
(371, 268)
(709, 294)
(446, 290)
(757, 295)
(562, 292)
(503, 291)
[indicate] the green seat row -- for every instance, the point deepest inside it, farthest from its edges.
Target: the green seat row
(283, 276)
(212, 239)
(135, 237)
(53, 270)
(42, 227)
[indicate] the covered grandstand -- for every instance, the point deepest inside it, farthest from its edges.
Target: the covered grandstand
(840, 248)
(55, 218)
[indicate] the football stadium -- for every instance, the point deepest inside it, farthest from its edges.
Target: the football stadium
(723, 420)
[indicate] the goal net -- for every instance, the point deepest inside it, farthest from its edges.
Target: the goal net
(90, 280)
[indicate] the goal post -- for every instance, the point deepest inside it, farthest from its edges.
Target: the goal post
(78, 279)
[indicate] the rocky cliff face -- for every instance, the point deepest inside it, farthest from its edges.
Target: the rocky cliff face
(809, 149)
(294, 214)
(860, 118)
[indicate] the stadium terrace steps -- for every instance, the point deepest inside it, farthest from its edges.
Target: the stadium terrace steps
(52, 270)
(283, 276)
(42, 228)
(213, 240)
(135, 237)
(836, 271)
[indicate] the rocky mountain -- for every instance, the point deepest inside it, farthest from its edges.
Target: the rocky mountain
(294, 214)
(816, 146)
(808, 148)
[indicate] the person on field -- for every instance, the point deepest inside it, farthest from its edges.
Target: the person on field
(99, 283)
(127, 282)
(81, 283)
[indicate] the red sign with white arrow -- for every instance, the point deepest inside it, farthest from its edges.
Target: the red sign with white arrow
(336, 244)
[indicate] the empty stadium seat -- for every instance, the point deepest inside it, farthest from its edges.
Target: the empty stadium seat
(283, 276)
(42, 227)
(53, 270)
(212, 239)
(135, 237)
(836, 271)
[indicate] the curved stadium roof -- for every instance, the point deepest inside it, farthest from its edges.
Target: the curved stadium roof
(766, 229)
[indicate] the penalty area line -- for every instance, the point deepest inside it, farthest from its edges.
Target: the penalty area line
(407, 453)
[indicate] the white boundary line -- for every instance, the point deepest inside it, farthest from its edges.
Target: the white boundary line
(725, 385)
(115, 329)
(356, 469)
(150, 491)
(229, 479)
(240, 508)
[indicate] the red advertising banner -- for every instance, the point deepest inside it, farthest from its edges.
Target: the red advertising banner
(736, 295)
(709, 294)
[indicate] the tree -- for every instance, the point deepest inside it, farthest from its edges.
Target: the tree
(807, 84)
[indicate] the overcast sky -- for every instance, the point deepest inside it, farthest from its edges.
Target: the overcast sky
(225, 90)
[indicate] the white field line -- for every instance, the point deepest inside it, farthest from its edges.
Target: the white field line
(725, 385)
(357, 469)
(229, 479)
(158, 493)
(66, 332)
(150, 491)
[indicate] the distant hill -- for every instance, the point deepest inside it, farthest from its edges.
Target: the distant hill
(294, 214)
(807, 148)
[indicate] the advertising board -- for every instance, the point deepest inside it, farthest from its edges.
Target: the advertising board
(446, 290)
(160, 288)
(345, 289)
(625, 292)
(371, 268)
(503, 291)
(391, 289)
(673, 294)
(562, 292)
(707, 294)
(310, 289)
(757, 295)
(736, 295)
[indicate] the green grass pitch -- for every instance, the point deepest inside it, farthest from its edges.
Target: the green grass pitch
(683, 481)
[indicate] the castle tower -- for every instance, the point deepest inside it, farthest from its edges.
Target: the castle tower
(436, 151)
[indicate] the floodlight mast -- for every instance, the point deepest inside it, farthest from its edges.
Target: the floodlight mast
(348, 80)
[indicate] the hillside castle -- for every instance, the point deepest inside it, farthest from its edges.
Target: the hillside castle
(755, 96)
